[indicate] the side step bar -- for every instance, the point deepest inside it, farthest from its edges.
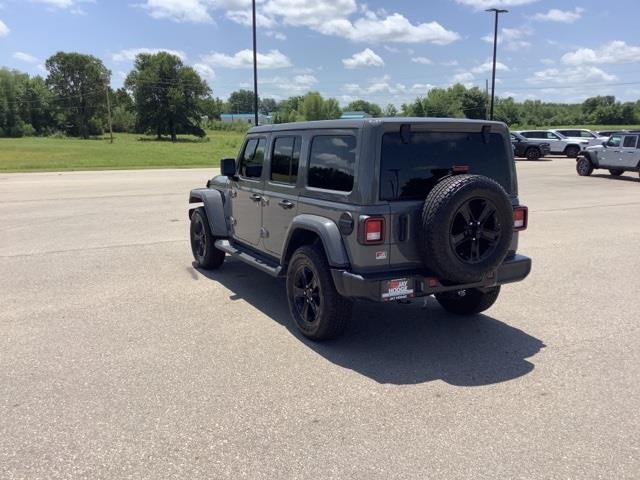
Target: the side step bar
(249, 258)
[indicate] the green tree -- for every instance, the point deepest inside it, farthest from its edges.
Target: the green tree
(79, 83)
(168, 95)
(213, 107)
(506, 110)
(390, 110)
(474, 104)
(268, 105)
(364, 106)
(331, 109)
(241, 101)
(313, 106)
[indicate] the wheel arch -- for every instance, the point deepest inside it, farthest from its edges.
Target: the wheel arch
(214, 206)
(308, 229)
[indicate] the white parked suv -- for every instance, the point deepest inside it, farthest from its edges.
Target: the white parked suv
(582, 134)
(559, 144)
(621, 153)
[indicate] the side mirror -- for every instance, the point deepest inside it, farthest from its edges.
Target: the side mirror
(228, 167)
(604, 144)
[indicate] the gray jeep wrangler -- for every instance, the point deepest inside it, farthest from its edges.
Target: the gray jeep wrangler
(372, 209)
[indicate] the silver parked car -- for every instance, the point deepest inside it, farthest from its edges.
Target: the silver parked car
(621, 153)
(582, 134)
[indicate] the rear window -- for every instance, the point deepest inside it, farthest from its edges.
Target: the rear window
(629, 142)
(409, 171)
(332, 162)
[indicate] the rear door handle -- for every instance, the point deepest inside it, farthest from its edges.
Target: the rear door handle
(255, 197)
(286, 204)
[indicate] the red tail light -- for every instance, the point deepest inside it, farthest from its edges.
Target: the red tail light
(520, 218)
(372, 231)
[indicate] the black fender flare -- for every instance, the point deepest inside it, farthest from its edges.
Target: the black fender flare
(214, 206)
(592, 158)
(329, 234)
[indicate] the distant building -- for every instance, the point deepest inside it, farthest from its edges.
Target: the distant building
(246, 118)
(352, 115)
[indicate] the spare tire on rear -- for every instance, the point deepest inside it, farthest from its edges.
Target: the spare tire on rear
(466, 228)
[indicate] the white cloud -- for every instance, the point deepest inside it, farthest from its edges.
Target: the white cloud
(130, 54)
(451, 63)
(421, 60)
(4, 30)
(244, 17)
(484, 4)
(393, 28)
(244, 59)
(562, 16)
(25, 57)
(572, 76)
(365, 58)
(512, 38)
(71, 5)
(195, 11)
(276, 35)
(420, 88)
(488, 67)
(382, 85)
(463, 77)
(329, 17)
(615, 52)
(205, 71)
(297, 85)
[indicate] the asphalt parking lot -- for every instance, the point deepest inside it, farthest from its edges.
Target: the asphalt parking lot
(119, 360)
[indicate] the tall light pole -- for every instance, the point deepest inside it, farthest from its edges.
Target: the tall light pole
(495, 53)
(255, 66)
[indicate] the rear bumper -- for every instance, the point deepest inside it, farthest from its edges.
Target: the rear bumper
(389, 286)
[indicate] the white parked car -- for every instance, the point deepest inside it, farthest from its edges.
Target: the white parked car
(583, 134)
(558, 143)
(621, 153)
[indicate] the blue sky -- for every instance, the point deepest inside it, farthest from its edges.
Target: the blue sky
(387, 52)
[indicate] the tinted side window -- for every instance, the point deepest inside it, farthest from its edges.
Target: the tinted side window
(285, 159)
(629, 142)
(538, 135)
(332, 162)
(614, 141)
(526, 134)
(253, 158)
(570, 133)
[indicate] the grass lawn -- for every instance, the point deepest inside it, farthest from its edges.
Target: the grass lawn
(128, 151)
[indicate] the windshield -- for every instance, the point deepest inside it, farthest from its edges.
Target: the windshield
(410, 170)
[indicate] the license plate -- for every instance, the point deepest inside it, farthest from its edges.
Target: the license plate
(397, 289)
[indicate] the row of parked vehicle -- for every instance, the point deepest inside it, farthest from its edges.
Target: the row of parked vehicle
(535, 144)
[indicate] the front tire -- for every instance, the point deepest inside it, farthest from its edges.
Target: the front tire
(584, 167)
(205, 253)
(468, 302)
(319, 311)
(533, 154)
(616, 172)
(572, 151)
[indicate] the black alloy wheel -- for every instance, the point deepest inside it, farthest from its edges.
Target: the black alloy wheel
(307, 294)
(533, 154)
(475, 230)
(198, 237)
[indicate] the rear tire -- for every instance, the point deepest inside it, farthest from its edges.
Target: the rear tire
(205, 253)
(319, 311)
(572, 151)
(584, 167)
(468, 302)
(616, 172)
(533, 154)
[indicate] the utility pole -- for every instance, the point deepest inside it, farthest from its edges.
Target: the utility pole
(109, 112)
(255, 66)
(486, 93)
(495, 53)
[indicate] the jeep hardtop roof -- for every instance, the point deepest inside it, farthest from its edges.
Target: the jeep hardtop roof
(360, 122)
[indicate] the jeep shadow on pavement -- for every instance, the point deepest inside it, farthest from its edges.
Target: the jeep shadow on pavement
(423, 344)
(381, 210)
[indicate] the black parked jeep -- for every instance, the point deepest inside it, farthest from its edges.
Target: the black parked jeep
(523, 148)
(371, 209)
